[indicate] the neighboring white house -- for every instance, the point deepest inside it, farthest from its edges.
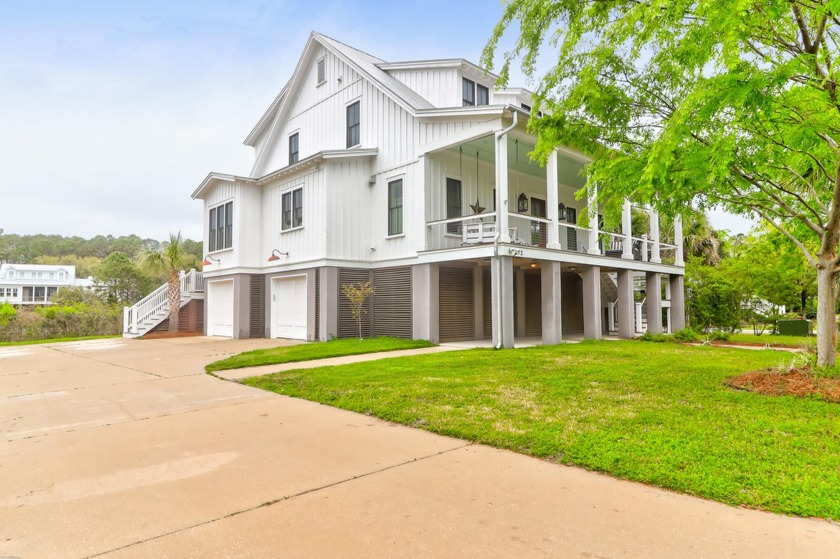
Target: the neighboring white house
(35, 284)
(416, 176)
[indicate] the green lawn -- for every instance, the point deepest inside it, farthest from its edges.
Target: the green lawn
(773, 339)
(315, 350)
(55, 340)
(655, 413)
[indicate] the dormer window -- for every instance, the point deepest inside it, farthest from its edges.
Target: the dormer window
(321, 70)
(10, 274)
(475, 94)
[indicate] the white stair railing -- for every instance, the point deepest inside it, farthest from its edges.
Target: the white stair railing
(155, 305)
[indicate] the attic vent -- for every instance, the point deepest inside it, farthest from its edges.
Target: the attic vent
(322, 70)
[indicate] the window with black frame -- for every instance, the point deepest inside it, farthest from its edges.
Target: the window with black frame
(293, 149)
(395, 207)
(292, 209)
(220, 227)
(353, 124)
(453, 205)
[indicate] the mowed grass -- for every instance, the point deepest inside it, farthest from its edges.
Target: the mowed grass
(56, 340)
(654, 413)
(313, 351)
(773, 339)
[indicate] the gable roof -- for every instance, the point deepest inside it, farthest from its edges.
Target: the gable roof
(364, 63)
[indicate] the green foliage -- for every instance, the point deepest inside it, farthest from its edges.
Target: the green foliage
(658, 338)
(313, 351)
(123, 283)
(76, 314)
(693, 104)
(718, 336)
(654, 413)
(687, 335)
(714, 298)
(7, 313)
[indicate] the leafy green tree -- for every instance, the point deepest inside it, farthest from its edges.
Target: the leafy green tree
(357, 294)
(170, 259)
(714, 297)
(122, 282)
(698, 102)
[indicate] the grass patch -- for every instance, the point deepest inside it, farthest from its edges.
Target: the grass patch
(773, 339)
(654, 413)
(55, 340)
(315, 350)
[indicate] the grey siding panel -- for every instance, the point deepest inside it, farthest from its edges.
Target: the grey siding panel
(571, 302)
(533, 305)
(347, 327)
(256, 324)
(456, 304)
(392, 302)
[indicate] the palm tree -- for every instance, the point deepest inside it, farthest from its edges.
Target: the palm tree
(701, 239)
(169, 260)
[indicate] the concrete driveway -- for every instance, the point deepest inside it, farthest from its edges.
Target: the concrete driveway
(124, 448)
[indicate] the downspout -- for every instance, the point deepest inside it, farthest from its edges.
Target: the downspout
(499, 135)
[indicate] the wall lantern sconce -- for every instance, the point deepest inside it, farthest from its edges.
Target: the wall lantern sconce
(276, 254)
(561, 212)
(522, 203)
(209, 260)
(534, 264)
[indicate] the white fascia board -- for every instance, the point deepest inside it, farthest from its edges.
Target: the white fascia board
(422, 64)
(313, 161)
(349, 153)
(462, 113)
(267, 117)
(212, 179)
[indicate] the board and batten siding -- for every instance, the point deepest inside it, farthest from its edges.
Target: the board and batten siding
(318, 114)
(304, 243)
(439, 86)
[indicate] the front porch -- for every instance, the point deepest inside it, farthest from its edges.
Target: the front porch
(511, 300)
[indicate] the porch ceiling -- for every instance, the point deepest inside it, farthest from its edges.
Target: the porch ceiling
(569, 171)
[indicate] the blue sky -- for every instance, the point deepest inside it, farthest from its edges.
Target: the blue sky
(113, 112)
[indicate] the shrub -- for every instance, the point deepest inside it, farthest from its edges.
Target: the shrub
(719, 336)
(686, 335)
(658, 338)
(7, 313)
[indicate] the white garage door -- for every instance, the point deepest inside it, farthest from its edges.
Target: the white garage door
(220, 308)
(288, 308)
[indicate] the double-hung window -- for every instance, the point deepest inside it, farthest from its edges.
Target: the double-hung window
(221, 227)
(353, 124)
(292, 209)
(395, 207)
(475, 93)
(294, 151)
(453, 205)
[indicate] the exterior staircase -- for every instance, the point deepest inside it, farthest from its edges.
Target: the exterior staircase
(151, 310)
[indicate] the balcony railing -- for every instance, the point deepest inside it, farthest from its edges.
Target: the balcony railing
(532, 231)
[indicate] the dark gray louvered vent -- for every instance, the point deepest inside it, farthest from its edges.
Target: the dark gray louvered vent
(571, 301)
(533, 305)
(487, 295)
(256, 326)
(392, 302)
(457, 314)
(347, 327)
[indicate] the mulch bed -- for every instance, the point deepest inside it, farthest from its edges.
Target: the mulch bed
(160, 335)
(797, 382)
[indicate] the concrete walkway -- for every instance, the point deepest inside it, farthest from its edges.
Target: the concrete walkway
(125, 448)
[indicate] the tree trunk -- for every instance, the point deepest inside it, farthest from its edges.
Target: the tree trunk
(174, 299)
(803, 298)
(826, 319)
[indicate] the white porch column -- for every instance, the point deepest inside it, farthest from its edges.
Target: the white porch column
(654, 235)
(501, 281)
(677, 302)
(679, 258)
(592, 302)
(553, 201)
(653, 301)
(552, 322)
(592, 210)
(502, 208)
(627, 230)
(626, 305)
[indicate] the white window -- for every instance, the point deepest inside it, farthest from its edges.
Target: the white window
(10, 274)
(321, 70)
(62, 275)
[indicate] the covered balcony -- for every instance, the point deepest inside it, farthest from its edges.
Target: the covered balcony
(487, 191)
